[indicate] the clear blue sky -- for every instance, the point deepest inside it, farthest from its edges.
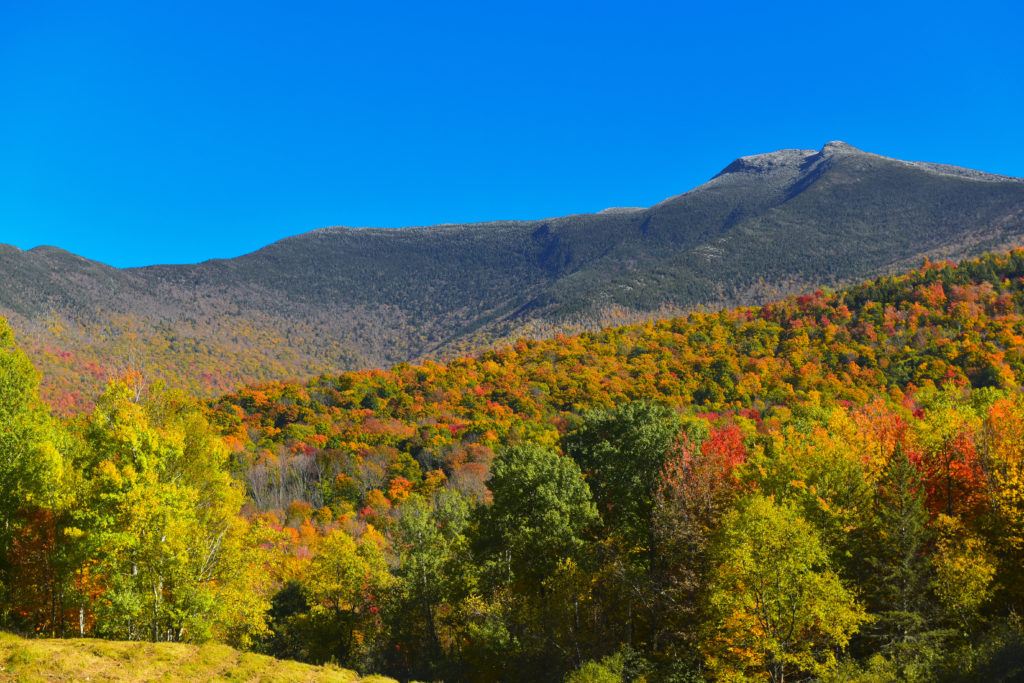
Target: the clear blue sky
(146, 132)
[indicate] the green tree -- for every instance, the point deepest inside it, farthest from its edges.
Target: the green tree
(777, 608)
(540, 514)
(607, 670)
(896, 572)
(534, 531)
(622, 452)
(434, 570)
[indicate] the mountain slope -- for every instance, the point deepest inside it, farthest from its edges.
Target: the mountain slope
(341, 298)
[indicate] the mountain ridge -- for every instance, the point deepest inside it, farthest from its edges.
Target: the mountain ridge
(739, 164)
(340, 298)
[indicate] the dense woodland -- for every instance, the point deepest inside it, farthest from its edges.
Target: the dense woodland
(830, 487)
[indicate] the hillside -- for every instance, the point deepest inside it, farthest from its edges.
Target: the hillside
(943, 324)
(635, 501)
(340, 298)
(811, 401)
(41, 660)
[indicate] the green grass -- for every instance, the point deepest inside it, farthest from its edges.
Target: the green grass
(75, 660)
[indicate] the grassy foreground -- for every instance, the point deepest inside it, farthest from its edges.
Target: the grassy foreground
(101, 660)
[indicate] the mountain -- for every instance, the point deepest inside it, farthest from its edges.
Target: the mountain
(343, 298)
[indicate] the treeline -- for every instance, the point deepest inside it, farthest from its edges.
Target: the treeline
(831, 488)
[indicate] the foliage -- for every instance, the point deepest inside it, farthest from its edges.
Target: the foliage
(828, 486)
(778, 608)
(31, 474)
(540, 512)
(896, 572)
(608, 670)
(156, 514)
(964, 570)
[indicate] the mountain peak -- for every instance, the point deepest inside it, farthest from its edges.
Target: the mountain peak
(767, 163)
(786, 160)
(833, 147)
(49, 250)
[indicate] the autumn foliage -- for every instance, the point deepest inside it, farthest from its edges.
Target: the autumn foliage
(707, 497)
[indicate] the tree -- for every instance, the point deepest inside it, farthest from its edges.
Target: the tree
(529, 541)
(434, 570)
(1002, 444)
(607, 670)
(951, 467)
(31, 470)
(246, 584)
(540, 513)
(344, 588)
(622, 452)
(777, 608)
(895, 552)
(158, 514)
(963, 573)
(696, 487)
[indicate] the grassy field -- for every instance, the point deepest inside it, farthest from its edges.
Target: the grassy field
(101, 660)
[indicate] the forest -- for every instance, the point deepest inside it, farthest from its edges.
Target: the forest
(829, 487)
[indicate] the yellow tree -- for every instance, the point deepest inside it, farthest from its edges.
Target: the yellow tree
(30, 464)
(344, 587)
(777, 608)
(31, 469)
(964, 570)
(159, 516)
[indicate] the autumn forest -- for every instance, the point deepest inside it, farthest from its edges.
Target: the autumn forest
(828, 487)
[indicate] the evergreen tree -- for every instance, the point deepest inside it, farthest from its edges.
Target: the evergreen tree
(897, 570)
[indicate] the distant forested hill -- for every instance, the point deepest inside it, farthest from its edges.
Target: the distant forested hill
(341, 298)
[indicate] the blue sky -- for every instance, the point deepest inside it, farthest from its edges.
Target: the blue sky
(156, 132)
